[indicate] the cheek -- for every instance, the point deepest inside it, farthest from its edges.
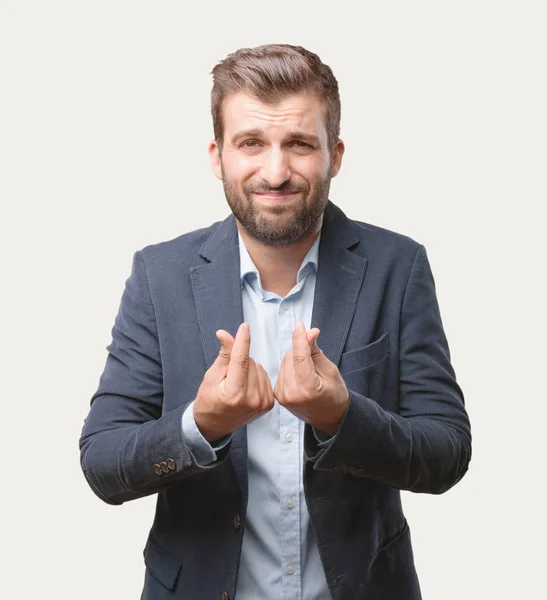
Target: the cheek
(312, 167)
(238, 171)
(315, 174)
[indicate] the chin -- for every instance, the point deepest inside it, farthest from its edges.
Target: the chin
(276, 210)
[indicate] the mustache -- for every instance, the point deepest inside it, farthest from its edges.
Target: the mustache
(286, 186)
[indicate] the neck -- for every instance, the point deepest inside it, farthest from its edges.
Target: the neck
(278, 265)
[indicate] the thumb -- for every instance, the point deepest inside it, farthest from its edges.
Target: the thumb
(316, 353)
(312, 336)
(225, 351)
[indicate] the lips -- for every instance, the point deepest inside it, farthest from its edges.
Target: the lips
(276, 196)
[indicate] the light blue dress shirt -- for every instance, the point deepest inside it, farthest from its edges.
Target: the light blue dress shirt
(279, 555)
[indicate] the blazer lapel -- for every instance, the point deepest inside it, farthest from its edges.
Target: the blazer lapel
(217, 289)
(339, 279)
(217, 293)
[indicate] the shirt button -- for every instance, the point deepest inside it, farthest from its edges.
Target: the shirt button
(289, 437)
(289, 503)
(290, 570)
(285, 307)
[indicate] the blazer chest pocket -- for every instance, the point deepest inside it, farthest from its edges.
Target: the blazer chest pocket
(364, 369)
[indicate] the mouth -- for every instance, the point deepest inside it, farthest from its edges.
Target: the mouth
(276, 197)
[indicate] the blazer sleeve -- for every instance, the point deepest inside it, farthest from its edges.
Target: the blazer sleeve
(426, 445)
(128, 448)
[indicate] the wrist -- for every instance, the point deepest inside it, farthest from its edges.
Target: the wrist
(211, 434)
(208, 429)
(332, 426)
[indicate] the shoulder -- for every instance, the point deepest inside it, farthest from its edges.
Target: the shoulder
(184, 249)
(366, 238)
(372, 242)
(389, 253)
(384, 240)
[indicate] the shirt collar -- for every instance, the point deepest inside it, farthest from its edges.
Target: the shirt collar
(248, 268)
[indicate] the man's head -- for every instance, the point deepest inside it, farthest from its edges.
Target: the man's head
(273, 72)
(276, 118)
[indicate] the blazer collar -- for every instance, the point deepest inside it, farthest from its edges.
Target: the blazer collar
(224, 237)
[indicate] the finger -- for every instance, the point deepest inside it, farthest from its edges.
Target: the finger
(238, 366)
(287, 389)
(225, 351)
(252, 382)
(268, 390)
(278, 388)
(304, 367)
(319, 359)
(312, 335)
(259, 380)
(265, 387)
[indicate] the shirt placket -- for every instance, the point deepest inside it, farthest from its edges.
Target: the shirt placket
(289, 472)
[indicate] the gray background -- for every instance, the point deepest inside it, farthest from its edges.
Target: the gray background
(104, 125)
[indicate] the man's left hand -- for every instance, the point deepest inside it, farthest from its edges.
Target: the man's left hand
(310, 385)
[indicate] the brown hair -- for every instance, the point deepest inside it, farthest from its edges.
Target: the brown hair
(270, 73)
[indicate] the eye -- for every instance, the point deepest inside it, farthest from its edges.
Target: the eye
(303, 145)
(250, 144)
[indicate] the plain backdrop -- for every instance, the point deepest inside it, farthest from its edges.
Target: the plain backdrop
(104, 126)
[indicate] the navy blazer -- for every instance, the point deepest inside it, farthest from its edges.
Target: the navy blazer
(406, 427)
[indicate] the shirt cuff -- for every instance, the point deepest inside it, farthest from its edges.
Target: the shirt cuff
(204, 454)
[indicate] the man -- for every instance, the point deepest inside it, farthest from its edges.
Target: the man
(279, 457)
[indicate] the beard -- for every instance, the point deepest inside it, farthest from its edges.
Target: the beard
(278, 225)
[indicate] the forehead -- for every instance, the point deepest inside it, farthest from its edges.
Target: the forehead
(304, 112)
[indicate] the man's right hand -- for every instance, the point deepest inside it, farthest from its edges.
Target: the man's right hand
(234, 391)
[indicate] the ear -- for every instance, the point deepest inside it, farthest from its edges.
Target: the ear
(214, 155)
(336, 159)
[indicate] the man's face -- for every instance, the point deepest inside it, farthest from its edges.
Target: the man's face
(276, 165)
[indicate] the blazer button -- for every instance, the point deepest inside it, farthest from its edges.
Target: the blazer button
(164, 466)
(224, 596)
(171, 464)
(157, 469)
(236, 522)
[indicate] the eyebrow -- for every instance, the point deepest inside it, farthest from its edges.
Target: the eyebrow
(300, 135)
(243, 134)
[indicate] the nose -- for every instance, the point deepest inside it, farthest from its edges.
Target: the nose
(275, 168)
